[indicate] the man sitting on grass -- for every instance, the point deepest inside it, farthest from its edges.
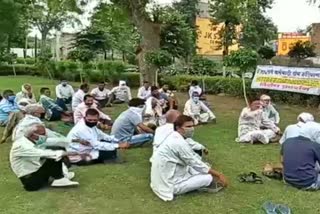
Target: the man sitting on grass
(8, 106)
(130, 122)
(101, 94)
(300, 157)
(196, 109)
(155, 107)
(269, 109)
(144, 92)
(162, 132)
(294, 130)
(120, 94)
(77, 97)
(53, 111)
(35, 166)
(176, 169)
(26, 93)
(100, 148)
(64, 93)
(250, 122)
(88, 103)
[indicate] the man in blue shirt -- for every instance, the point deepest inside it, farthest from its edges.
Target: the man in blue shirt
(7, 106)
(129, 121)
(300, 157)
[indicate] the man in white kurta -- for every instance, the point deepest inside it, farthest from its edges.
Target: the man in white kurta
(100, 146)
(269, 110)
(101, 94)
(120, 94)
(79, 95)
(294, 130)
(196, 109)
(176, 169)
(144, 92)
(250, 122)
(64, 93)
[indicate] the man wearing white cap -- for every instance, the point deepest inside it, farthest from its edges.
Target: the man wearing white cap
(269, 109)
(120, 94)
(294, 129)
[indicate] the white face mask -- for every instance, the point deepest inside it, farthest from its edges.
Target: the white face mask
(41, 139)
(188, 132)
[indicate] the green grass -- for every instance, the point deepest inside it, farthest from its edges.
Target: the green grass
(125, 188)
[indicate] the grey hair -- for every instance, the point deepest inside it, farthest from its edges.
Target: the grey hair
(30, 109)
(32, 128)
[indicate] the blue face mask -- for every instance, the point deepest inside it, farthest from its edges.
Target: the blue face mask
(11, 98)
(196, 99)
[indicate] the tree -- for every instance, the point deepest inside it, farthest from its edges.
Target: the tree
(245, 59)
(228, 13)
(256, 28)
(149, 31)
(265, 52)
(302, 50)
(50, 15)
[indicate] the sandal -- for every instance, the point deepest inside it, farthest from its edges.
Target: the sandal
(250, 178)
(269, 207)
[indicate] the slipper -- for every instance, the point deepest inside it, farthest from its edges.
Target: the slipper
(283, 209)
(213, 188)
(269, 207)
(250, 178)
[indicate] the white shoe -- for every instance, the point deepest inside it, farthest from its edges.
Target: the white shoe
(64, 182)
(70, 175)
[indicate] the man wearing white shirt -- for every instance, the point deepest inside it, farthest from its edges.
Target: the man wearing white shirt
(120, 94)
(195, 88)
(64, 93)
(176, 169)
(101, 94)
(162, 132)
(144, 92)
(196, 109)
(35, 166)
(79, 95)
(101, 147)
(294, 130)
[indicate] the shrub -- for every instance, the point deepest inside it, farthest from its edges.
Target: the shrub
(28, 61)
(6, 70)
(203, 66)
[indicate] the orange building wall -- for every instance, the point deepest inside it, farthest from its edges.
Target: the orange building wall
(284, 43)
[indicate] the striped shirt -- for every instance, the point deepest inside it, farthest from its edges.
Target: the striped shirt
(48, 103)
(6, 108)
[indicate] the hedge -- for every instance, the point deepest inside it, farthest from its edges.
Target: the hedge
(213, 85)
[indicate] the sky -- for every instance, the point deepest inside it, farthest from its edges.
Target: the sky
(289, 15)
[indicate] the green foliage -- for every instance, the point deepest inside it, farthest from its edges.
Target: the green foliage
(28, 61)
(266, 52)
(160, 58)
(6, 70)
(302, 50)
(82, 55)
(245, 59)
(203, 66)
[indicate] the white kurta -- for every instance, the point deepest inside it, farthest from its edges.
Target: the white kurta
(311, 130)
(54, 138)
(291, 131)
(250, 123)
(100, 95)
(77, 99)
(98, 140)
(80, 112)
(198, 111)
(64, 92)
(144, 93)
(176, 169)
(26, 158)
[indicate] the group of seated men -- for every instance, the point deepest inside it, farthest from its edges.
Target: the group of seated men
(39, 154)
(300, 142)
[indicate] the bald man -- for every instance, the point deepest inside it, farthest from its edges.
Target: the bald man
(35, 166)
(164, 131)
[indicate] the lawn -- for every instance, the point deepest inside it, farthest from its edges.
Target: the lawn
(125, 188)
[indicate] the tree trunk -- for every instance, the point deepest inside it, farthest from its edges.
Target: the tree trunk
(9, 43)
(150, 33)
(112, 53)
(105, 54)
(43, 44)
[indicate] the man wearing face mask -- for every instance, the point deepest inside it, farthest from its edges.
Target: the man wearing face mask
(64, 93)
(101, 94)
(7, 106)
(251, 120)
(101, 148)
(176, 169)
(129, 122)
(120, 94)
(196, 109)
(35, 166)
(269, 110)
(88, 103)
(14, 119)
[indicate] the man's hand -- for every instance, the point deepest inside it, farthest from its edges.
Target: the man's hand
(84, 142)
(124, 145)
(222, 180)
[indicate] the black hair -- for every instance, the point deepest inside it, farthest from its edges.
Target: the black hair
(7, 92)
(194, 82)
(135, 102)
(87, 96)
(92, 112)
(153, 88)
(182, 119)
(83, 86)
(145, 81)
(42, 90)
